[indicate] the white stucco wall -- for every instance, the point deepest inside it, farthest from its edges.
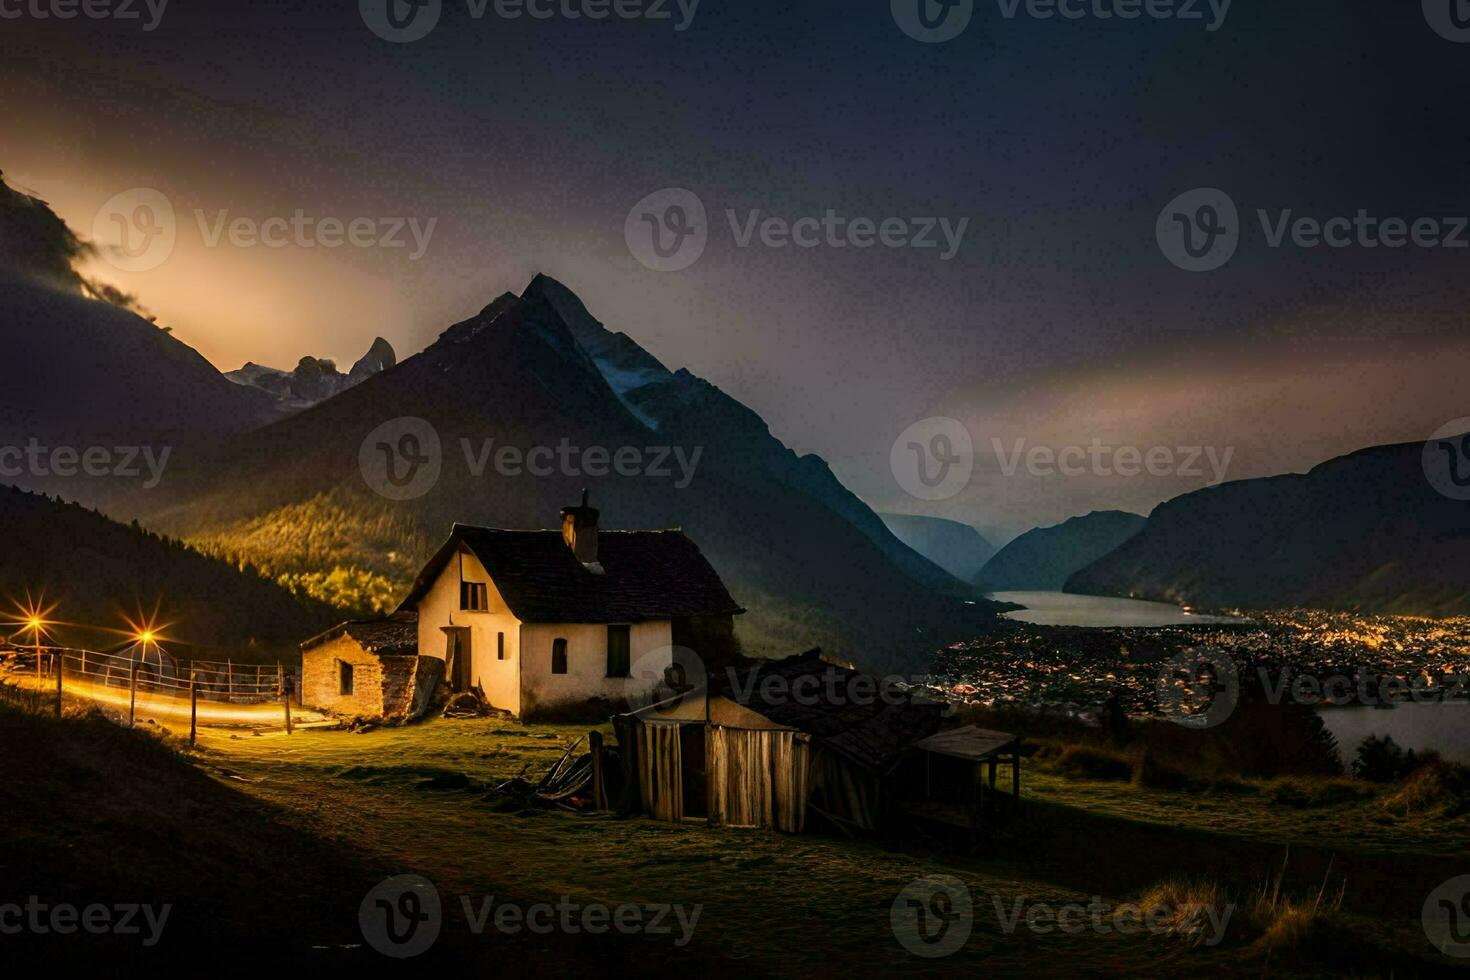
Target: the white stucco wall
(586, 675)
(499, 679)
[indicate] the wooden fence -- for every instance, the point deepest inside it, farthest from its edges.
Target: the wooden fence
(158, 684)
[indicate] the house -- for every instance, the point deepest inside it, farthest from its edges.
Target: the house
(778, 744)
(552, 622)
(369, 670)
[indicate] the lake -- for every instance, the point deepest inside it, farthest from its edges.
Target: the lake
(1444, 728)
(1065, 609)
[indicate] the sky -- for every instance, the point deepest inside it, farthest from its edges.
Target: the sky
(1056, 319)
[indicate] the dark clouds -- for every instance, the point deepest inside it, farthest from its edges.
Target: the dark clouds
(1058, 140)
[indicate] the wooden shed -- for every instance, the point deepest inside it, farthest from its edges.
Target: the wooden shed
(780, 744)
(950, 777)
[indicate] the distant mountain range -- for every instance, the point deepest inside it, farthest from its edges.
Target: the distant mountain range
(266, 468)
(1364, 531)
(1044, 558)
(810, 561)
(264, 464)
(97, 572)
(959, 549)
(314, 379)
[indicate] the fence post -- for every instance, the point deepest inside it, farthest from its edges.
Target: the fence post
(132, 694)
(599, 800)
(58, 662)
(193, 706)
(229, 679)
(286, 700)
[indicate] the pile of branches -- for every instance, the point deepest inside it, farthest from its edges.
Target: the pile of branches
(466, 705)
(566, 785)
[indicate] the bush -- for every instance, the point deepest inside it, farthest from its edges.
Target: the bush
(1381, 760)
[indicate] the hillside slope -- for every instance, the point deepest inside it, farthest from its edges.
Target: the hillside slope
(83, 372)
(1364, 531)
(1045, 557)
(97, 572)
(957, 548)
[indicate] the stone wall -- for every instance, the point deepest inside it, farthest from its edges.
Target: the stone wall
(321, 679)
(395, 686)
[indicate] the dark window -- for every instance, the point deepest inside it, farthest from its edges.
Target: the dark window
(499, 646)
(345, 679)
(619, 651)
(558, 656)
(473, 596)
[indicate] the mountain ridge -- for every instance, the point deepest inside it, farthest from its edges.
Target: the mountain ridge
(1365, 531)
(516, 372)
(1044, 558)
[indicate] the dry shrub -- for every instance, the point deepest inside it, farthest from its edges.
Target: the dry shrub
(1186, 899)
(1436, 789)
(1293, 923)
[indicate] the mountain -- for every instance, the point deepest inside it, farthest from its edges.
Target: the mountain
(1366, 531)
(957, 548)
(679, 404)
(97, 571)
(1043, 558)
(84, 372)
(535, 373)
(314, 379)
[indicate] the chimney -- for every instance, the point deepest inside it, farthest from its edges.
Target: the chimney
(579, 530)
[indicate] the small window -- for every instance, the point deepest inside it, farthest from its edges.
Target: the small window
(619, 649)
(558, 656)
(499, 646)
(344, 679)
(473, 597)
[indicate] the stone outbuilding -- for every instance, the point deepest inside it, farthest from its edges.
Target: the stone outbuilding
(369, 669)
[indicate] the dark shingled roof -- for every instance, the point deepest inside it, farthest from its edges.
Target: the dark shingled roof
(646, 575)
(384, 637)
(871, 725)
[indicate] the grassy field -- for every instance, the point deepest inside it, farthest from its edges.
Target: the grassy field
(798, 905)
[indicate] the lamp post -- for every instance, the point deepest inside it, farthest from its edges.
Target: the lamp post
(35, 625)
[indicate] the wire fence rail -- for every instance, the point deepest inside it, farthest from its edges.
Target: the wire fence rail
(156, 685)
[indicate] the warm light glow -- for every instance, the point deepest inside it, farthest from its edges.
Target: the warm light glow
(33, 616)
(146, 629)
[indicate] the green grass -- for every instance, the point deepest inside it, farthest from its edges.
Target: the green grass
(803, 904)
(1324, 812)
